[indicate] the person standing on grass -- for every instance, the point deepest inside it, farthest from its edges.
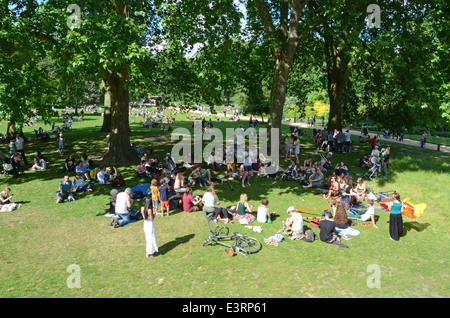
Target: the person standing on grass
(248, 169)
(61, 144)
(164, 196)
(20, 148)
(12, 146)
(154, 190)
(296, 147)
(395, 218)
(386, 162)
(149, 228)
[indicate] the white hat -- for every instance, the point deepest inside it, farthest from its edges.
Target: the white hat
(291, 209)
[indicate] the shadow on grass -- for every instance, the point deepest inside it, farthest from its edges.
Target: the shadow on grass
(167, 247)
(414, 225)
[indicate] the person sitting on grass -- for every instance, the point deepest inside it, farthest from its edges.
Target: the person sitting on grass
(364, 162)
(263, 214)
(81, 169)
(341, 168)
(191, 204)
(69, 164)
(333, 188)
(342, 222)
(243, 209)
(291, 172)
(5, 201)
(315, 180)
(369, 214)
(79, 185)
(112, 201)
(102, 176)
(141, 169)
(295, 223)
(64, 190)
(198, 178)
(328, 233)
(123, 204)
(39, 164)
(348, 195)
(361, 190)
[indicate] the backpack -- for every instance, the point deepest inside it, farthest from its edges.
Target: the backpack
(118, 182)
(309, 236)
(138, 195)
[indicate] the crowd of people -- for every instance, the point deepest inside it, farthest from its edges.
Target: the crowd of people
(169, 178)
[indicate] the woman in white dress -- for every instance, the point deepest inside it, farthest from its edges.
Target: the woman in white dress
(149, 227)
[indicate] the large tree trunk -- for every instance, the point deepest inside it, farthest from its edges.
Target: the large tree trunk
(106, 127)
(278, 95)
(339, 66)
(120, 152)
(335, 93)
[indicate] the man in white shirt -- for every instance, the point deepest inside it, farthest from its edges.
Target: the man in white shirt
(19, 148)
(348, 140)
(295, 222)
(375, 156)
(123, 203)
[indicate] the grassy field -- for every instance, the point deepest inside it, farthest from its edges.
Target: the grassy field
(40, 240)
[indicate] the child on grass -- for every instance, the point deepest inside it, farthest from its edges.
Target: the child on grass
(155, 194)
(164, 196)
(263, 214)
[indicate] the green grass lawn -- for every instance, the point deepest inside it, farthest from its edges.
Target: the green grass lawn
(41, 239)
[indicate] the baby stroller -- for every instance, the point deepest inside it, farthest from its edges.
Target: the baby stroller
(373, 172)
(326, 161)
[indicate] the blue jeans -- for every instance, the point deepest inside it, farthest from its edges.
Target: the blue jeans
(200, 180)
(123, 219)
(180, 190)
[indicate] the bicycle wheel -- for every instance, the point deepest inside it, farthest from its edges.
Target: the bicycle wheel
(217, 227)
(248, 245)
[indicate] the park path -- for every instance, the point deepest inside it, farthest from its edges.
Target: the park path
(407, 142)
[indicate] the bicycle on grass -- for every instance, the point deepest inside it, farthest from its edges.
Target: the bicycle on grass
(240, 243)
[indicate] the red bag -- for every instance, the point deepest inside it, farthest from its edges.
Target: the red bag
(314, 222)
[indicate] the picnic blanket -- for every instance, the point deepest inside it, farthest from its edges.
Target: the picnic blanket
(142, 187)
